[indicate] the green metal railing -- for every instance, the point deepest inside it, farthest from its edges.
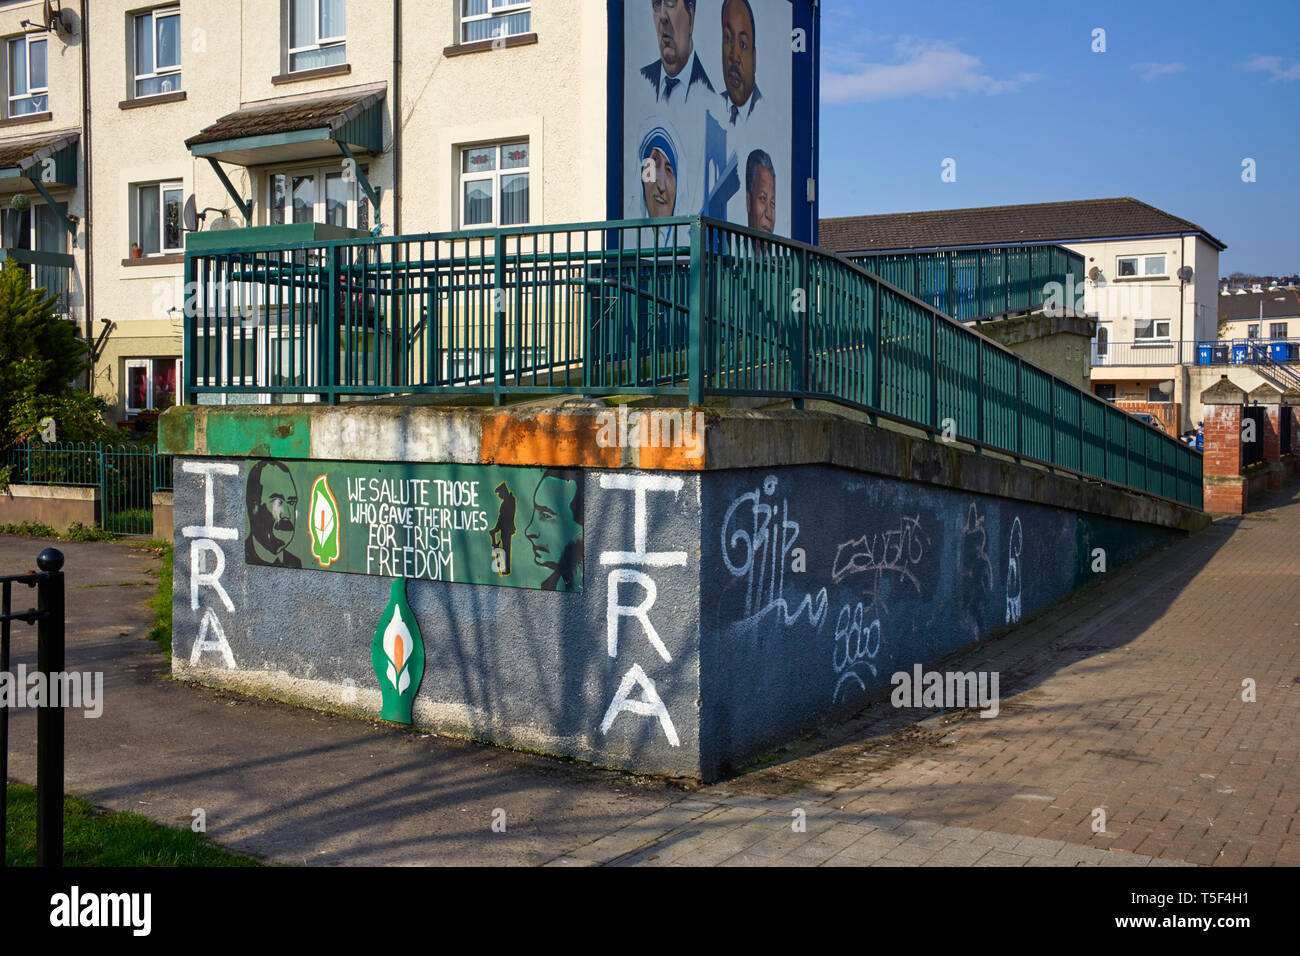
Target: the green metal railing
(969, 284)
(126, 476)
(687, 306)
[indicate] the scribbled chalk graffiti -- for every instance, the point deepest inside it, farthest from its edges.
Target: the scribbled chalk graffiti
(758, 537)
(976, 537)
(203, 544)
(876, 555)
(1014, 546)
(857, 642)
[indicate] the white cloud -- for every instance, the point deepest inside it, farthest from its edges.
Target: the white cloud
(1153, 71)
(1273, 65)
(921, 67)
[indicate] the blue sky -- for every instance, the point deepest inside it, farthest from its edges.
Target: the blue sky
(1013, 92)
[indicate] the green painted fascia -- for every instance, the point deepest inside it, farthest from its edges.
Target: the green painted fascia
(239, 240)
(176, 430)
(265, 141)
(249, 433)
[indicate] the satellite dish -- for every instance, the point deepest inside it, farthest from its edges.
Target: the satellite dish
(222, 223)
(19, 202)
(190, 216)
(57, 19)
(1094, 273)
(1185, 274)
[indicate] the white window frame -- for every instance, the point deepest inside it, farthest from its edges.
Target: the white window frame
(320, 177)
(1155, 336)
(137, 232)
(147, 365)
(29, 40)
(497, 10)
(321, 42)
(1144, 261)
(495, 175)
(165, 73)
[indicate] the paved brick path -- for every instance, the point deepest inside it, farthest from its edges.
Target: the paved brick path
(1127, 697)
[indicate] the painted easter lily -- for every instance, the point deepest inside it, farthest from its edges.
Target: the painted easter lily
(397, 654)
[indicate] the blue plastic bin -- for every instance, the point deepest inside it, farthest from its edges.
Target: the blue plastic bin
(1279, 351)
(1204, 354)
(1239, 355)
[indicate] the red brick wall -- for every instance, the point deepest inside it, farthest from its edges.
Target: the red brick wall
(1222, 425)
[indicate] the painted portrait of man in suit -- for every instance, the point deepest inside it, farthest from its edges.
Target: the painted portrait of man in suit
(678, 74)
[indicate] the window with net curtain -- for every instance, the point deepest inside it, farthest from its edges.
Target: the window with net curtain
(316, 34)
(495, 184)
(158, 52)
(485, 19)
(28, 90)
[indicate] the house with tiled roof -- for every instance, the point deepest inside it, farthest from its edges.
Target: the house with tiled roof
(1151, 280)
(1260, 315)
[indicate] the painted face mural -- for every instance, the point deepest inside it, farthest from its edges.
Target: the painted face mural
(555, 531)
(760, 197)
(272, 499)
(674, 24)
(661, 190)
(738, 56)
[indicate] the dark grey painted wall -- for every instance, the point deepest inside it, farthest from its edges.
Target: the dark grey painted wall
(823, 582)
(522, 667)
(779, 597)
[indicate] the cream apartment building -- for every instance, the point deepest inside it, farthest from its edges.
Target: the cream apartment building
(1150, 312)
(359, 115)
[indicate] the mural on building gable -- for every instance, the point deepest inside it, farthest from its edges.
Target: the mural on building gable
(424, 522)
(708, 111)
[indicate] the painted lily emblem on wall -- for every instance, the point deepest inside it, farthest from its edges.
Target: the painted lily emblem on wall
(397, 654)
(324, 522)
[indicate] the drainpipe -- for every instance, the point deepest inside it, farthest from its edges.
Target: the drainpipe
(397, 118)
(89, 217)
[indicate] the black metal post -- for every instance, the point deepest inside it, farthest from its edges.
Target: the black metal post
(49, 719)
(4, 730)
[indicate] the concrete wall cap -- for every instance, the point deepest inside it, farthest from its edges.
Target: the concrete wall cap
(1223, 392)
(1291, 396)
(1265, 394)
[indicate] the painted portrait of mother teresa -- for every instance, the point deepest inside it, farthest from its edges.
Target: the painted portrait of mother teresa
(664, 188)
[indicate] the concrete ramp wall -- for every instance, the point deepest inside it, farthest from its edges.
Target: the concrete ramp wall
(706, 607)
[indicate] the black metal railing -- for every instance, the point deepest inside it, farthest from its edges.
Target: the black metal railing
(48, 618)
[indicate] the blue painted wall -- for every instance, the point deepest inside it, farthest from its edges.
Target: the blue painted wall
(822, 583)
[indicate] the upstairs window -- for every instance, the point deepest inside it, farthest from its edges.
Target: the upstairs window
(1252, 331)
(494, 185)
(1148, 330)
(1277, 330)
(317, 30)
(1146, 267)
(28, 89)
(158, 52)
(486, 19)
(157, 219)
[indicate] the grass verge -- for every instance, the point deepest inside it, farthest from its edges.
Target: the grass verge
(161, 603)
(94, 837)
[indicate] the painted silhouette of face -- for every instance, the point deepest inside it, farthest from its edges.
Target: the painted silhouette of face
(274, 520)
(553, 528)
(738, 55)
(661, 191)
(761, 201)
(674, 22)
